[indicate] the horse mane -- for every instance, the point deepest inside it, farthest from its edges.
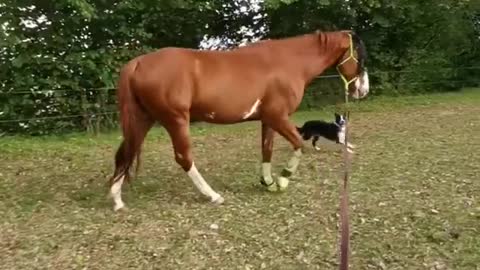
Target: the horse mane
(361, 51)
(322, 40)
(292, 41)
(358, 45)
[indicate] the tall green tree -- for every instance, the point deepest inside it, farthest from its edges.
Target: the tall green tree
(421, 43)
(79, 45)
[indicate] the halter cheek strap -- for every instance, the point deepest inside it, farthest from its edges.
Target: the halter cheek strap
(350, 56)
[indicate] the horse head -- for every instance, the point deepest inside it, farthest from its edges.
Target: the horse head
(351, 66)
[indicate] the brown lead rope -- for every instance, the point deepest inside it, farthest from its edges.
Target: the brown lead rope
(344, 223)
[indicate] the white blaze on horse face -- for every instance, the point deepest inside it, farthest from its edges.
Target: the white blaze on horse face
(357, 84)
(252, 110)
(116, 193)
(364, 87)
(203, 186)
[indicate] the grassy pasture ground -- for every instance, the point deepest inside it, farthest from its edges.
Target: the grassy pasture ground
(414, 197)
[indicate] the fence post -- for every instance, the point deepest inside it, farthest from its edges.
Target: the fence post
(84, 111)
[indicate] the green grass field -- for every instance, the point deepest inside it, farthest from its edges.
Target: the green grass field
(414, 197)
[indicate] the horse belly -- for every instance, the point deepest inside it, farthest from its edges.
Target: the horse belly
(227, 90)
(227, 110)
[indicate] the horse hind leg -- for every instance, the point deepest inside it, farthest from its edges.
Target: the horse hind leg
(179, 134)
(124, 158)
(116, 192)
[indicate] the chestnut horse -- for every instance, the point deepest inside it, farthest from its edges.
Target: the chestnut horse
(263, 81)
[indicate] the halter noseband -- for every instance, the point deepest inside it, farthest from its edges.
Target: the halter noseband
(351, 56)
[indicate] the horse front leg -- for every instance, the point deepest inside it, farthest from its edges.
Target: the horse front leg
(268, 135)
(288, 130)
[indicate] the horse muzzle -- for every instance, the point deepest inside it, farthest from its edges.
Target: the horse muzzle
(362, 86)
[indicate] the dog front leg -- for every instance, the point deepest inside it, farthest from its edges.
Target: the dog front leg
(314, 143)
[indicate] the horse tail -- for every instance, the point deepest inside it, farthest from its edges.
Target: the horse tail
(135, 123)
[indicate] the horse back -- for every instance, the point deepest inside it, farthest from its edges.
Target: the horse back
(200, 80)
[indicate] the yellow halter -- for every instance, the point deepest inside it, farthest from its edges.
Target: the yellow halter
(351, 56)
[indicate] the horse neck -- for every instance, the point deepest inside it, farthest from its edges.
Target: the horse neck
(310, 54)
(329, 47)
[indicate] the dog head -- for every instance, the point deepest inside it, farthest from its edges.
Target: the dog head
(339, 119)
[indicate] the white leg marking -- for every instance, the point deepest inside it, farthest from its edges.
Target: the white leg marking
(282, 183)
(203, 186)
(292, 166)
(350, 148)
(267, 172)
(116, 193)
(252, 110)
(267, 176)
(294, 161)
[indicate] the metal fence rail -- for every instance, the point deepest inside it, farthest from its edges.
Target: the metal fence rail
(94, 107)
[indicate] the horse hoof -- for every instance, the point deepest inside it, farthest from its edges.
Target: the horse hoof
(119, 207)
(218, 200)
(282, 183)
(273, 187)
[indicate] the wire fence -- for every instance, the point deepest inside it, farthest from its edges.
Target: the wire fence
(53, 91)
(91, 108)
(371, 73)
(91, 115)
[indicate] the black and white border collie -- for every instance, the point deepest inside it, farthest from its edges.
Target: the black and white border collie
(331, 131)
